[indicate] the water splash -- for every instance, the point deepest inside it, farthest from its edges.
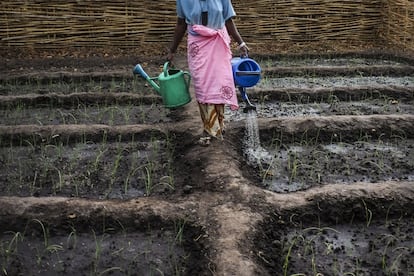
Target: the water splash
(255, 153)
(252, 129)
(261, 158)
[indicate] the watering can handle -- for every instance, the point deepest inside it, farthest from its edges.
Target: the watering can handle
(188, 78)
(246, 73)
(165, 69)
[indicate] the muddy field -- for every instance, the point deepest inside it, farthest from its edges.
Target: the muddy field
(98, 178)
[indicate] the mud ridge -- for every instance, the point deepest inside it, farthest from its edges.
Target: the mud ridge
(369, 70)
(74, 99)
(325, 94)
(340, 125)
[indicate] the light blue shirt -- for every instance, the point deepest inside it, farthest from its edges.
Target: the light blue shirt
(218, 11)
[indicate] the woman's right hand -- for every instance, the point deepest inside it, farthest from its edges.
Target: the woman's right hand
(170, 56)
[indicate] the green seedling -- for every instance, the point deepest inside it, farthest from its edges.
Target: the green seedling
(59, 185)
(127, 113)
(33, 183)
(45, 234)
(110, 270)
(179, 229)
(387, 215)
(127, 181)
(394, 268)
(75, 121)
(390, 240)
(98, 251)
(288, 254)
(115, 169)
(48, 248)
(8, 249)
(368, 214)
(266, 172)
(53, 248)
(114, 86)
(58, 149)
(82, 109)
(148, 180)
(293, 164)
(72, 239)
(62, 115)
(333, 100)
(112, 115)
(98, 159)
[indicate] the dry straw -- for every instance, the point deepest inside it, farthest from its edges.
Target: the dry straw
(53, 24)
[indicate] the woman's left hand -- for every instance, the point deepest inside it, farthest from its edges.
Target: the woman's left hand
(244, 50)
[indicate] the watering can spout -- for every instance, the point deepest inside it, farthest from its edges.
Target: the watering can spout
(139, 70)
(249, 105)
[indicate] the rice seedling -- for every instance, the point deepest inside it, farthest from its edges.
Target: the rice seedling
(126, 112)
(73, 162)
(82, 109)
(98, 251)
(132, 173)
(72, 240)
(98, 158)
(148, 178)
(32, 187)
(58, 187)
(368, 214)
(47, 248)
(292, 166)
(395, 269)
(333, 100)
(110, 270)
(45, 233)
(179, 230)
(8, 249)
(114, 86)
(289, 253)
(115, 168)
(390, 239)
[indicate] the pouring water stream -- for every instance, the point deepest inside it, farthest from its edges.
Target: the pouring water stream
(254, 152)
(246, 73)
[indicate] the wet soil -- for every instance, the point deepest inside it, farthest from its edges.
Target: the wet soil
(97, 177)
(365, 239)
(297, 166)
(97, 251)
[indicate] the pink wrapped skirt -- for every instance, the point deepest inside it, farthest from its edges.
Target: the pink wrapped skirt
(209, 61)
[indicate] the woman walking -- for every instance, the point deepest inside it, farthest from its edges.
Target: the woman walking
(209, 24)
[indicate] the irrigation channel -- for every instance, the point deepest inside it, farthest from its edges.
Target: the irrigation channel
(98, 178)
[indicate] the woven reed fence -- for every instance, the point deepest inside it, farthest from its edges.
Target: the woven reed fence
(398, 24)
(54, 24)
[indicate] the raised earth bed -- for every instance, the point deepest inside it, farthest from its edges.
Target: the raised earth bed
(98, 178)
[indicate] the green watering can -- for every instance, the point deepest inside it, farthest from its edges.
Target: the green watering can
(173, 85)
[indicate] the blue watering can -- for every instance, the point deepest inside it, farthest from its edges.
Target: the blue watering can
(246, 73)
